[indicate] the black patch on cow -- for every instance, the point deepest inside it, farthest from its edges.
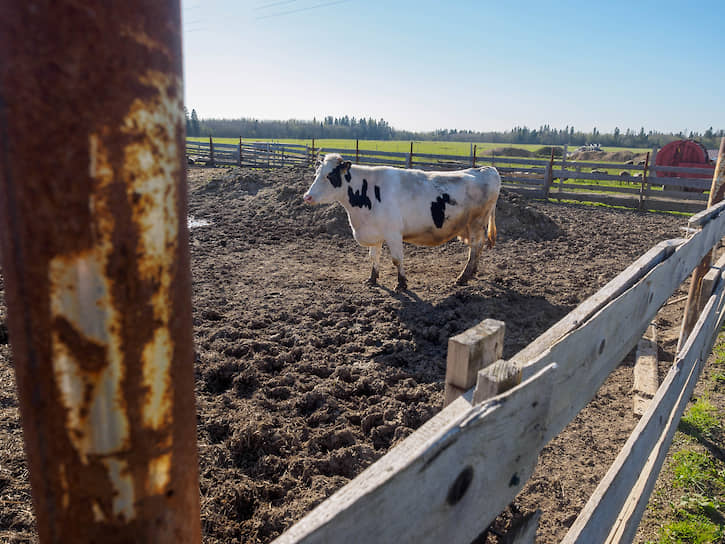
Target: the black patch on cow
(360, 199)
(377, 193)
(335, 177)
(438, 209)
(348, 175)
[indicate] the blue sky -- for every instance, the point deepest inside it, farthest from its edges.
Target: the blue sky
(423, 65)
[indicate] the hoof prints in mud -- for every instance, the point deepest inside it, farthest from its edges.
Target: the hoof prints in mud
(307, 376)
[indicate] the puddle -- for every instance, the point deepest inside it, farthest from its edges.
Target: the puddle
(194, 222)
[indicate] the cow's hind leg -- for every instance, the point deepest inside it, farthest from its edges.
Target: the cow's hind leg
(475, 245)
(396, 252)
(375, 260)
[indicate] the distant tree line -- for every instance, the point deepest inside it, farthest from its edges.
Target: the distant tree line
(379, 129)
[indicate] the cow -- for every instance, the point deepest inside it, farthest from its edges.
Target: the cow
(393, 205)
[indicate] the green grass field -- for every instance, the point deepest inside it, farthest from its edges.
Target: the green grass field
(400, 146)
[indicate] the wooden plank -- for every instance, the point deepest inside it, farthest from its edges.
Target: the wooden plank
(525, 181)
(690, 183)
(706, 172)
(469, 352)
(704, 216)
(365, 152)
(617, 503)
(594, 349)
(602, 188)
(709, 281)
(448, 480)
(603, 165)
(646, 379)
(627, 523)
(568, 174)
(686, 204)
(498, 161)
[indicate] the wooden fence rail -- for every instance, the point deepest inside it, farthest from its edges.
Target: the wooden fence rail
(451, 478)
(636, 186)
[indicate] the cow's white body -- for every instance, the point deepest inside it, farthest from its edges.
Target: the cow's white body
(393, 205)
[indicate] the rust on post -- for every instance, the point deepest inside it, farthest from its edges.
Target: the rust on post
(474, 155)
(211, 151)
(717, 192)
(357, 151)
(96, 263)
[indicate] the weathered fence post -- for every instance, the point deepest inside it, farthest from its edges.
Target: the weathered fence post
(716, 195)
(410, 156)
(474, 156)
(211, 152)
(642, 189)
(468, 353)
(239, 156)
(96, 266)
(549, 174)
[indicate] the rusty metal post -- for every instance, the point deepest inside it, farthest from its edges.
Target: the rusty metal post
(474, 155)
(410, 156)
(717, 189)
(96, 264)
(211, 152)
(357, 151)
(239, 155)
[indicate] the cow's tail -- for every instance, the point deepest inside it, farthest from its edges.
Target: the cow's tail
(492, 227)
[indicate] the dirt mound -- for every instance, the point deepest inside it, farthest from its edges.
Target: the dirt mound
(604, 156)
(515, 216)
(512, 152)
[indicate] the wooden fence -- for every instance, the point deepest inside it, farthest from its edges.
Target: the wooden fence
(638, 186)
(449, 480)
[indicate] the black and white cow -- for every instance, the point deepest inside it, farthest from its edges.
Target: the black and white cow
(392, 205)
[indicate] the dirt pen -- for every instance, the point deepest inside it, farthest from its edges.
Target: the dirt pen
(318, 400)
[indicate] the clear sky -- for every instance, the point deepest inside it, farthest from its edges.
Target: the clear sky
(487, 65)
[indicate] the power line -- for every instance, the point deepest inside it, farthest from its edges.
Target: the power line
(280, 14)
(272, 4)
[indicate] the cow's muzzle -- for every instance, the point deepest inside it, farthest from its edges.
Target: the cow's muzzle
(308, 199)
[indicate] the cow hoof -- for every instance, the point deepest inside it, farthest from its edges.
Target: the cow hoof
(371, 282)
(402, 286)
(462, 280)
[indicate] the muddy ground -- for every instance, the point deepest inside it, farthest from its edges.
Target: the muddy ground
(305, 376)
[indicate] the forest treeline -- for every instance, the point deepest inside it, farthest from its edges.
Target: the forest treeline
(379, 129)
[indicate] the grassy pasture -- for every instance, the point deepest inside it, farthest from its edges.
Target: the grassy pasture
(403, 146)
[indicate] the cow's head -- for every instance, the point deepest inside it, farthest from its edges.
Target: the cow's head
(329, 179)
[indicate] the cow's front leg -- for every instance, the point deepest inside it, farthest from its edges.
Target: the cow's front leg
(396, 252)
(375, 260)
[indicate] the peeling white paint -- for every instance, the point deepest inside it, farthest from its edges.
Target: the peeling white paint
(157, 358)
(123, 498)
(96, 421)
(153, 203)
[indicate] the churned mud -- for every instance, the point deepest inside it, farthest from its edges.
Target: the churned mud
(305, 376)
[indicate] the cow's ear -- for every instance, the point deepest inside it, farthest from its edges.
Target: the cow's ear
(346, 165)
